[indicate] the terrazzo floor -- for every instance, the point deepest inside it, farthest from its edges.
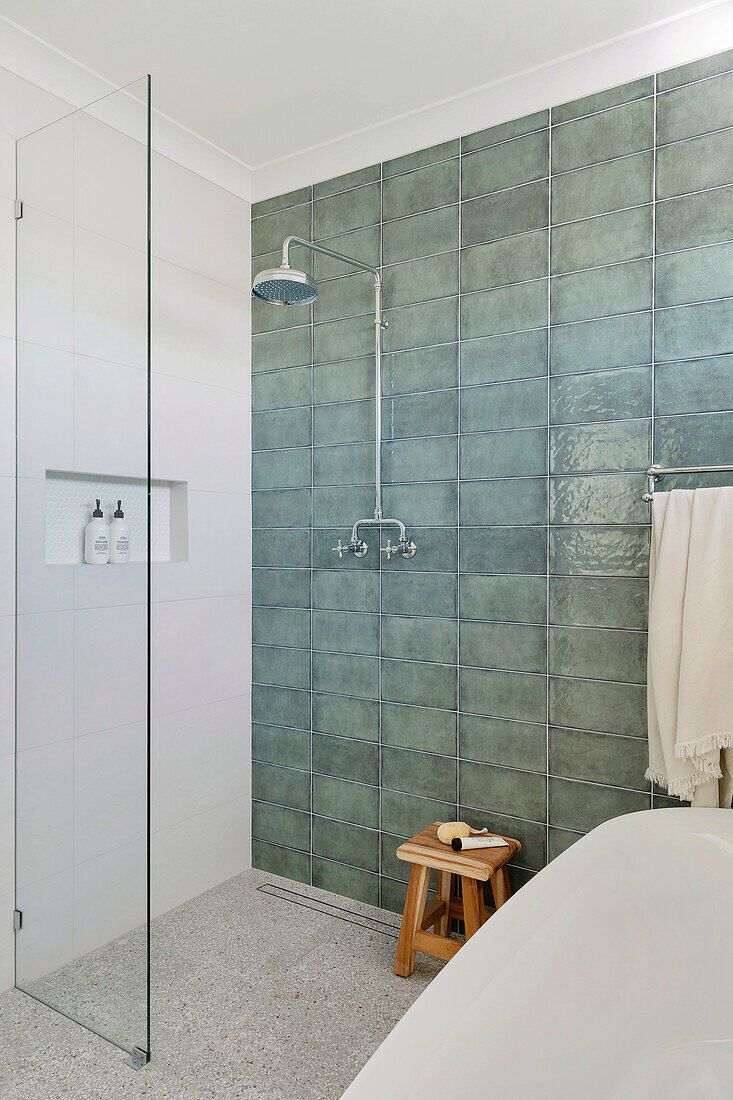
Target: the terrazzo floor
(254, 995)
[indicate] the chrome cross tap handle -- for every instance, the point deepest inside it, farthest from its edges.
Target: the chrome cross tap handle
(340, 549)
(389, 549)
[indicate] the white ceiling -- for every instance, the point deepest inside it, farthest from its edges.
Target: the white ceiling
(264, 81)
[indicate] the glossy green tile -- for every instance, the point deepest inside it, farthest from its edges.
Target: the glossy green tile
(518, 453)
(430, 459)
(418, 683)
(275, 822)
(348, 296)
(344, 464)
(350, 882)
(595, 345)
(598, 705)
(504, 791)
(695, 70)
(340, 381)
(582, 806)
(346, 632)
(694, 164)
(437, 552)
(592, 653)
(419, 773)
(598, 498)
(696, 385)
(510, 646)
(269, 232)
(600, 101)
(419, 638)
(272, 429)
(601, 395)
(344, 801)
(281, 666)
(289, 347)
(420, 414)
(392, 866)
(530, 834)
(612, 185)
(503, 358)
(343, 422)
(281, 587)
(346, 717)
(281, 202)
(560, 840)
(616, 445)
(421, 369)
(277, 860)
(345, 211)
(599, 757)
(599, 551)
(504, 131)
(345, 182)
(510, 260)
(281, 548)
(505, 213)
(432, 594)
(500, 741)
(290, 468)
(360, 244)
(506, 309)
(421, 325)
(420, 235)
(421, 280)
(599, 601)
(349, 338)
(695, 109)
(613, 133)
(347, 674)
(437, 502)
(691, 332)
(346, 758)
(356, 590)
(424, 189)
(503, 598)
(694, 276)
(508, 405)
(409, 727)
(503, 549)
(621, 288)
(325, 557)
(693, 441)
(346, 843)
(405, 814)
(503, 694)
(282, 786)
(281, 508)
(691, 220)
(275, 745)
(272, 323)
(410, 161)
(602, 239)
(521, 160)
(281, 626)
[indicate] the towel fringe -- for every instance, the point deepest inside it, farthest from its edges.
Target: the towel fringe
(689, 750)
(683, 789)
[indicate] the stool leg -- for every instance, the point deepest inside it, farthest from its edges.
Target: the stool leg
(444, 890)
(471, 906)
(500, 886)
(417, 892)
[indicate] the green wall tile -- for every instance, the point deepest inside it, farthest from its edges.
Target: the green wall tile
(598, 498)
(281, 587)
(436, 502)
(599, 551)
(282, 548)
(695, 385)
(421, 325)
(421, 280)
(612, 133)
(272, 429)
(433, 368)
(519, 453)
(505, 213)
(356, 590)
(345, 182)
(585, 805)
(344, 339)
(275, 745)
(334, 505)
(344, 464)
(419, 683)
(284, 667)
(437, 551)
(615, 445)
(281, 706)
(509, 405)
(487, 502)
(346, 758)
(504, 791)
(345, 211)
(601, 395)
(599, 601)
(343, 422)
(582, 651)
(268, 233)
(281, 508)
(691, 332)
(503, 694)
(281, 202)
(419, 638)
(272, 823)
(350, 882)
(694, 276)
(695, 109)
(503, 549)
(599, 757)
(409, 727)
(346, 632)
(419, 594)
(346, 843)
(503, 599)
(423, 189)
(603, 239)
(412, 414)
(530, 834)
(283, 786)
(344, 716)
(600, 101)
(506, 309)
(289, 468)
(499, 741)
(522, 160)
(419, 773)
(509, 260)
(694, 164)
(695, 70)
(598, 344)
(510, 646)
(504, 131)
(430, 459)
(347, 296)
(290, 347)
(691, 220)
(410, 161)
(360, 244)
(281, 861)
(560, 840)
(503, 358)
(598, 705)
(404, 814)
(344, 801)
(339, 382)
(611, 185)
(602, 292)
(698, 441)
(420, 235)
(346, 673)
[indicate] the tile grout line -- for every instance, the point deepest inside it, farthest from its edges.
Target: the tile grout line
(378, 443)
(311, 311)
(652, 419)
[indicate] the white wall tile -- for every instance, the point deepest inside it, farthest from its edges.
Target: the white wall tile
(46, 169)
(110, 182)
(45, 305)
(7, 684)
(45, 678)
(7, 814)
(199, 652)
(7, 268)
(47, 941)
(41, 587)
(200, 759)
(7, 407)
(110, 586)
(200, 328)
(110, 798)
(45, 791)
(7, 545)
(110, 898)
(45, 410)
(110, 418)
(110, 300)
(7, 164)
(110, 667)
(7, 942)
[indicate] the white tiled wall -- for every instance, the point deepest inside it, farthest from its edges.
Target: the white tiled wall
(81, 653)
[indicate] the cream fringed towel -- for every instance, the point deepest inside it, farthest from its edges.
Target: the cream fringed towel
(690, 663)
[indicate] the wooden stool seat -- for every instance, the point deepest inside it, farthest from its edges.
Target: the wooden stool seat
(425, 852)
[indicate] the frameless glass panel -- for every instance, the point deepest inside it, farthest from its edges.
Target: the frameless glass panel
(82, 730)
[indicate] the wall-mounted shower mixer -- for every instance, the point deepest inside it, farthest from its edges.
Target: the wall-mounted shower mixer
(357, 547)
(404, 546)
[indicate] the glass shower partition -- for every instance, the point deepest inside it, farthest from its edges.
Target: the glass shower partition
(83, 630)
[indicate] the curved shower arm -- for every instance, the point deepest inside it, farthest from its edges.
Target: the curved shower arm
(329, 252)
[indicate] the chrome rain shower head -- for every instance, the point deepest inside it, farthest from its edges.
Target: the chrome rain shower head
(284, 286)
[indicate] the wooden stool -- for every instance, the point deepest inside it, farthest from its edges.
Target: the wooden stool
(475, 866)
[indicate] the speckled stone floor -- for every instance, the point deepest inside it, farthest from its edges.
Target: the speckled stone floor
(253, 996)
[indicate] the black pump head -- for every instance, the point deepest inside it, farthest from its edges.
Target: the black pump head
(119, 514)
(97, 513)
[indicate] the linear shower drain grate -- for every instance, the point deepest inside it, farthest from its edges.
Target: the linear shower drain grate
(349, 916)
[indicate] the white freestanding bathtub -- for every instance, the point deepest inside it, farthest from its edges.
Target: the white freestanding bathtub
(610, 975)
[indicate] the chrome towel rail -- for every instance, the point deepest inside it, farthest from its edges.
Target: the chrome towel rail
(656, 473)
